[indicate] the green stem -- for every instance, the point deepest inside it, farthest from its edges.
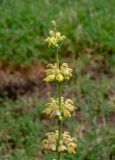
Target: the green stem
(59, 138)
(59, 121)
(57, 58)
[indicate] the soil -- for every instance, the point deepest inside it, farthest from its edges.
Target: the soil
(19, 81)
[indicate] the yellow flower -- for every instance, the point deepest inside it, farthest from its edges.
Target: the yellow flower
(49, 78)
(61, 148)
(71, 150)
(55, 37)
(59, 37)
(66, 113)
(53, 73)
(66, 71)
(59, 78)
(52, 41)
(53, 110)
(67, 143)
(69, 105)
(45, 144)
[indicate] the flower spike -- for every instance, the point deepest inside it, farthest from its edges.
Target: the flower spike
(58, 108)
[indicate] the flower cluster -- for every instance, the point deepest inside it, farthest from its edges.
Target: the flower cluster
(53, 73)
(55, 37)
(52, 108)
(67, 143)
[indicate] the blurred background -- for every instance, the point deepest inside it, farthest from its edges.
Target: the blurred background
(89, 48)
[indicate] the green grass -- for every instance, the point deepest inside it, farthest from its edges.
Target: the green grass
(24, 24)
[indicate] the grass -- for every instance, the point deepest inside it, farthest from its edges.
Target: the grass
(20, 129)
(24, 24)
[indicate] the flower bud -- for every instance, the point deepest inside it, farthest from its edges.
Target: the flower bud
(53, 23)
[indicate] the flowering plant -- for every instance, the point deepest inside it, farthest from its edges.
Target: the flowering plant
(58, 108)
